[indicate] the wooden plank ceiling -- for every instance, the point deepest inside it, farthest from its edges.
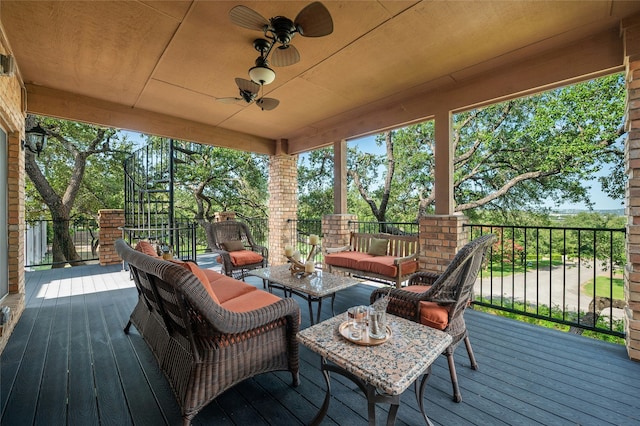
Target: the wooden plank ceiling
(158, 67)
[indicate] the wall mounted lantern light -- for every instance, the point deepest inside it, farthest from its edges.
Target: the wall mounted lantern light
(36, 140)
(7, 65)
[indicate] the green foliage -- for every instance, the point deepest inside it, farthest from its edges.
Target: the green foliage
(525, 247)
(210, 179)
(103, 182)
(509, 157)
(315, 184)
(602, 240)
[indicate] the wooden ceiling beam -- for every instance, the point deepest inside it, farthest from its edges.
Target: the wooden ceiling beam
(55, 103)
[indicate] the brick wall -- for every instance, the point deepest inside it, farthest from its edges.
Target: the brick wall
(632, 269)
(283, 204)
(441, 236)
(110, 221)
(12, 118)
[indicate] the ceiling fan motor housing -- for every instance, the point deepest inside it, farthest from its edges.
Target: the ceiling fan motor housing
(283, 29)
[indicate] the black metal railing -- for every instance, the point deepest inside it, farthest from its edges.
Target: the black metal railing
(259, 228)
(180, 239)
(299, 232)
(570, 276)
(39, 237)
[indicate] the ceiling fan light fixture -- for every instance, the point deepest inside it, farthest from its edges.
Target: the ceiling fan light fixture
(262, 74)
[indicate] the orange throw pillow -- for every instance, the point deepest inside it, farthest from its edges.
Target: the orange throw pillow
(195, 270)
(146, 248)
(245, 257)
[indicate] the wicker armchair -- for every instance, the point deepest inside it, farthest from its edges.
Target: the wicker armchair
(222, 236)
(439, 300)
(202, 348)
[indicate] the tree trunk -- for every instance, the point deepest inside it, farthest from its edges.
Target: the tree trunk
(63, 250)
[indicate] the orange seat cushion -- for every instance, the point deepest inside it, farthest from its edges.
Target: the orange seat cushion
(417, 288)
(227, 288)
(245, 257)
(383, 265)
(250, 301)
(434, 315)
(146, 248)
(345, 259)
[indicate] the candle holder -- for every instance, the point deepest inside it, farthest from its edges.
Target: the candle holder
(299, 268)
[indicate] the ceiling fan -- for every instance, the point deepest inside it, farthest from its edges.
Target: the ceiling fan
(248, 94)
(312, 21)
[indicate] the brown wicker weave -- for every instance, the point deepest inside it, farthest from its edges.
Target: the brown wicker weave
(231, 230)
(452, 288)
(202, 348)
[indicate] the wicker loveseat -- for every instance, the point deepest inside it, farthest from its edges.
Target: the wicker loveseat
(207, 340)
(385, 257)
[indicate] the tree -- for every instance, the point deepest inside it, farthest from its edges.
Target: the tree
(363, 164)
(608, 245)
(315, 183)
(73, 151)
(509, 156)
(209, 179)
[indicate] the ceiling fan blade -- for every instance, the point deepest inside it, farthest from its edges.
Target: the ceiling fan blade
(247, 85)
(244, 17)
(267, 104)
(314, 21)
(238, 101)
(284, 56)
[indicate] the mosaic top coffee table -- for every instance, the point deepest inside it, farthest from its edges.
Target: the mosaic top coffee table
(382, 372)
(313, 288)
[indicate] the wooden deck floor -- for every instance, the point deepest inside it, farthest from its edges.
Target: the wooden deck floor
(68, 362)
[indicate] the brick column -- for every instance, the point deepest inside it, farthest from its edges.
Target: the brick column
(441, 236)
(632, 155)
(283, 204)
(336, 230)
(110, 222)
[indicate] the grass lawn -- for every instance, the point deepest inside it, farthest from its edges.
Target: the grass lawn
(602, 287)
(506, 268)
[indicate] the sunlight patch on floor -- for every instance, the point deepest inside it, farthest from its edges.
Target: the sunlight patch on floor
(86, 284)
